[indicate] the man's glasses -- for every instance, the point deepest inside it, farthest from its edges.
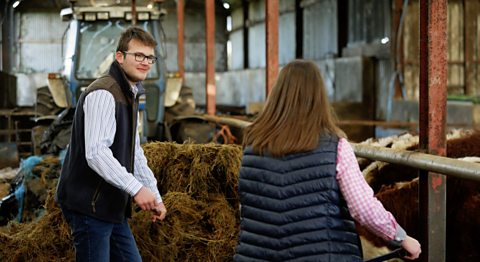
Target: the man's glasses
(139, 57)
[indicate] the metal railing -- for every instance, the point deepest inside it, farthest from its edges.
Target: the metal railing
(438, 164)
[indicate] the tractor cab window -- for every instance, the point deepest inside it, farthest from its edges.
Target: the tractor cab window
(97, 44)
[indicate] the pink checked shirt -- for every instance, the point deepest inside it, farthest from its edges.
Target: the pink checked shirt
(362, 204)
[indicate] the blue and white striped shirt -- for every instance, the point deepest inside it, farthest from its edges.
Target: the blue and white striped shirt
(100, 127)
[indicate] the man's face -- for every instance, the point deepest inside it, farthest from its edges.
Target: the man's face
(134, 70)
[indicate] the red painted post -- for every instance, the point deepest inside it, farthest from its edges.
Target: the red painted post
(180, 38)
(271, 22)
(210, 70)
(432, 119)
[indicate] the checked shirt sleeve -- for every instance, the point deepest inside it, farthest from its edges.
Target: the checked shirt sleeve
(362, 204)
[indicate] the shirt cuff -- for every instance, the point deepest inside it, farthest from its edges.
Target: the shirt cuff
(400, 235)
(133, 190)
(159, 198)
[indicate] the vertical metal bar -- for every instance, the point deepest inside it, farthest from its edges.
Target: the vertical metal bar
(432, 119)
(210, 61)
(10, 126)
(469, 29)
(271, 21)
(134, 12)
(245, 34)
(343, 21)
(423, 76)
(299, 29)
(395, 43)
(180, 38)
(8, 32)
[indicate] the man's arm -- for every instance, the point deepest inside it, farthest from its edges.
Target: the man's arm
(145, 175)
(100, 128)
(141, 170)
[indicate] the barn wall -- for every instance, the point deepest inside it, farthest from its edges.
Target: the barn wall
(463, 45)
(39, 42)
(252, 83)
(369, 21)
(37, 47)
(236, 38)
(256, 33)
(194, 39)
(320, 27)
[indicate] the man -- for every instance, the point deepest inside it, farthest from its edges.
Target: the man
(105, 167)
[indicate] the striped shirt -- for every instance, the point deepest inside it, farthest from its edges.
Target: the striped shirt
(362, 204)
(100, 127)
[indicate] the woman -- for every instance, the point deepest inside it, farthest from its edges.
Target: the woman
(300, 184)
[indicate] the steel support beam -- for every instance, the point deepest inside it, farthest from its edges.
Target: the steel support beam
(8, 32)
(210, 70)
(246, 63)
(180, 38)
(134, 12)
(433, 96)
(271, 22)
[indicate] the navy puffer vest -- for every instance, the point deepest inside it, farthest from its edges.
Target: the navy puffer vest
(292, 209)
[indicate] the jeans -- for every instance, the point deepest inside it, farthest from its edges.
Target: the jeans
(101, 241)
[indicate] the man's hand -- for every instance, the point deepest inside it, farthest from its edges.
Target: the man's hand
(145, 199)
(159, 212)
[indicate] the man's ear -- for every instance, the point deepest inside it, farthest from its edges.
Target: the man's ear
(119, 56)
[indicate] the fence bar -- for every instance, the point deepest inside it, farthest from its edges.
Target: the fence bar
(444, 165)
(438, 164)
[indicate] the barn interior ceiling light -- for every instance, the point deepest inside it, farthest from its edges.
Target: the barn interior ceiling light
(16, 3)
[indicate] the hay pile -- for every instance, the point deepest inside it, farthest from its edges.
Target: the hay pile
(198, 184)
(42, 179)
(199, 187)
(46, 239)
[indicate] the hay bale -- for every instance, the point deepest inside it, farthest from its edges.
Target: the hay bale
(199, 187)
(198, 170)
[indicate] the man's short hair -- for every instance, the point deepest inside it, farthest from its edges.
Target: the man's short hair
(136, 33)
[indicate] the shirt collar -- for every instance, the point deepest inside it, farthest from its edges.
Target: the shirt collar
(134, 89)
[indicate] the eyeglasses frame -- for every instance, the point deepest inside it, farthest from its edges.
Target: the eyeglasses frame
(150, 58)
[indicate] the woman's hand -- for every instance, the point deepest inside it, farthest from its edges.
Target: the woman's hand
(412, 246)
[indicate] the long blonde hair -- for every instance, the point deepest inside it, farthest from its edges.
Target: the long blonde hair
(296, 114)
